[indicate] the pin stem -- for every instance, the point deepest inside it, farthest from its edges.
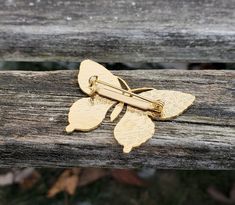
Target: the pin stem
(158, 103)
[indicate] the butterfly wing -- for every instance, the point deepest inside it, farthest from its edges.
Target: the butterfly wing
(89, 68)
(116, 111)
(87, 114)
(136, 127)
(133, 129)
(175, 102)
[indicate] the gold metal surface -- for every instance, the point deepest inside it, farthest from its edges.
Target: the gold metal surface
(133, 129)
(143, 104)
(126, 96)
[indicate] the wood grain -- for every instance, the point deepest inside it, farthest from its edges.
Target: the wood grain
(33, 116)
(117, 30)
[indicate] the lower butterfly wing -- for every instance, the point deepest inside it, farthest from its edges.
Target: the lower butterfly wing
(133, 129)
(87, 113)
(175, 102)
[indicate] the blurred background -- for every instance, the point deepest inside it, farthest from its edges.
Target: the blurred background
(96, 186)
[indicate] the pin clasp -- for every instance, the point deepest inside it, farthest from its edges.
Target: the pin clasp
(126, 96)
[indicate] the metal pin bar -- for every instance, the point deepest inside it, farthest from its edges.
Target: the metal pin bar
(157, 105)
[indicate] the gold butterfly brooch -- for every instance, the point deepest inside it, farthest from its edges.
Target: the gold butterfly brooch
(106, 90)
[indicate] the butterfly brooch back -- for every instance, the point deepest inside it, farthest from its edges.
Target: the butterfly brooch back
(106, 90)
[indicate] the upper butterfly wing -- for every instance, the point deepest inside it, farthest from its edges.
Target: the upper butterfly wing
(175, 102)
(89, 68)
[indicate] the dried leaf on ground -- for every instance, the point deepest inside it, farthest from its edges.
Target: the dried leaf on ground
(30, 180)
(127, 176)
(219, 196)
(67, 182)
(232, 193)
(21, 174)
(26, 177)
(71, 178)
(89, 175)
(6, 179)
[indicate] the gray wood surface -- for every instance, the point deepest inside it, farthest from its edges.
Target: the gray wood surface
(33, 116)
(117, 30)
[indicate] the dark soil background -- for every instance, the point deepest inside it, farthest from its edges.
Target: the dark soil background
(166, 188)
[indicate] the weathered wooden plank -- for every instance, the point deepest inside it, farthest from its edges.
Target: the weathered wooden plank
(33, 116)
(117, 30)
